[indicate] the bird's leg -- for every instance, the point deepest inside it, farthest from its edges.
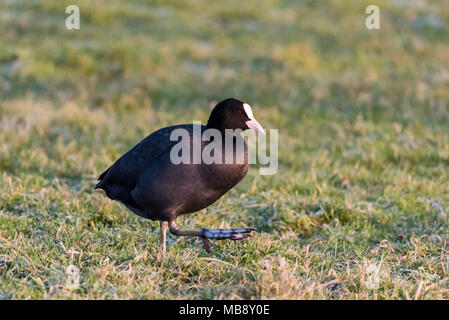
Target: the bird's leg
(217, 234)
(206, 245)
(206, 234)
(163, 230)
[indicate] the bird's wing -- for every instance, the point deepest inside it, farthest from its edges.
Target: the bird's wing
(127, 169)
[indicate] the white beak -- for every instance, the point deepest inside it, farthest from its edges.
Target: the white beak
(253, 124)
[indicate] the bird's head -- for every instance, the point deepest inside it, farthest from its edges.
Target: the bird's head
(233, 114)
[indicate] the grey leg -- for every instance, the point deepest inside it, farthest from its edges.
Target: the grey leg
(217, 234)
(163, 230)
(206, 234)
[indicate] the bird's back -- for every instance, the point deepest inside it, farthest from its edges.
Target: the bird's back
(151, 185)
(121, 178)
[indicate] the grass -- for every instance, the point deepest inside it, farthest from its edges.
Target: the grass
(363, 158)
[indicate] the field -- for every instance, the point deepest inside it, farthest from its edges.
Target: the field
(357, 210)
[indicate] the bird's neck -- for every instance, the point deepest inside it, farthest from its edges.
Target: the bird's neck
(212, 124)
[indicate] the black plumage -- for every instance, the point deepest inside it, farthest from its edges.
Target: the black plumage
(148, 183)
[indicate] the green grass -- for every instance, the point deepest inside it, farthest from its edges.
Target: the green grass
(363, 156)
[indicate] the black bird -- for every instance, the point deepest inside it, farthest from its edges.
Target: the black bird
(150, 184)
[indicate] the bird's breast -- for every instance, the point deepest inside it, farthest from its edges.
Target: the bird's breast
(228, 173)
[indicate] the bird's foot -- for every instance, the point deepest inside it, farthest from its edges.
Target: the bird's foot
(232, 234)
(206, 245)
(162, 250)
(215, 234)
(222, 234)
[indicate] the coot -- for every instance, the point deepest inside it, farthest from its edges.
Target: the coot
(148, 182)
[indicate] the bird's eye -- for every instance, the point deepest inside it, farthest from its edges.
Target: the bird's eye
(239, 112)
